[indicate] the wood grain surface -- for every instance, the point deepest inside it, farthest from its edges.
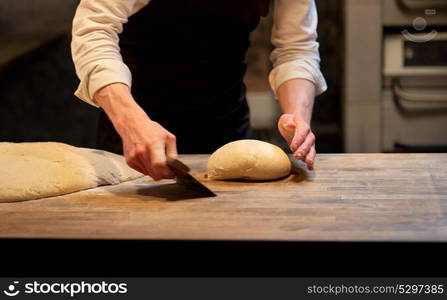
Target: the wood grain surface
(349, 197)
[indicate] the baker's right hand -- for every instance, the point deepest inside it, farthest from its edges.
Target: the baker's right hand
(146, 144)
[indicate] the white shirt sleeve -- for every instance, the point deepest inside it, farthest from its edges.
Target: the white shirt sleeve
(294, 36)
(95, 44)
(98, 62)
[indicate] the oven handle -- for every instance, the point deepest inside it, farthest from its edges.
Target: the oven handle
(419, 97)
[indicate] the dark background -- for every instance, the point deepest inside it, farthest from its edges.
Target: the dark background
(37, 76)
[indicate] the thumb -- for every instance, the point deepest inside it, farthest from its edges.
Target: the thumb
(287, 127)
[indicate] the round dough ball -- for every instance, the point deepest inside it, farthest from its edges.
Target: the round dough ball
(248, 160)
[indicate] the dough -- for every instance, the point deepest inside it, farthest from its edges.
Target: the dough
(38, 170)
(248, 160)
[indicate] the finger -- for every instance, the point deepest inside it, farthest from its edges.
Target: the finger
(171, 150)
(287, 126)
(171, 146)
(301, 133)
(145, 160)
(131, 160)
(158, 166)
(310, 158)
(304, 149)
(136, 165)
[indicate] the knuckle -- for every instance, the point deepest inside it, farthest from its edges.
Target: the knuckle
(311, 143)
(141, 152)
(297, 139)
(283, 118)
(304, 131)
(304, 126)
(171, 137)
(156, 124)
(307, 129)
(157, 165)
(294, 145)
(131, 157)
(300, 139)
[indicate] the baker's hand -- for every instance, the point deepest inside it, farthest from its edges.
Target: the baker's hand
(299, 137)
(146, 143)
(146, 146)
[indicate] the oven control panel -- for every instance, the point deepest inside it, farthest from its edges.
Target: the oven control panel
(404, 12)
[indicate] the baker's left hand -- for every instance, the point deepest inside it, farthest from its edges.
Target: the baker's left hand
(299, 137)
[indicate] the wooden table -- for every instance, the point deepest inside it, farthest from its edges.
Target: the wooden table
(350, 197)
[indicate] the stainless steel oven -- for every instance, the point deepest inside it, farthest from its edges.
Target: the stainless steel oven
(414, 98)
(395, 75)
(414, 93)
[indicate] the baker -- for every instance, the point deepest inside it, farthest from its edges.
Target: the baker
(185, 62)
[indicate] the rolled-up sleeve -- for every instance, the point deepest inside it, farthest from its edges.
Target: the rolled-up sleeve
(95, 44)
(294, 36)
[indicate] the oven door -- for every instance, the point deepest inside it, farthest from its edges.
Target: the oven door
(414, 97)
(414, 119)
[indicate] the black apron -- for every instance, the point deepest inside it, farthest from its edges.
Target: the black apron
(187, 59)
